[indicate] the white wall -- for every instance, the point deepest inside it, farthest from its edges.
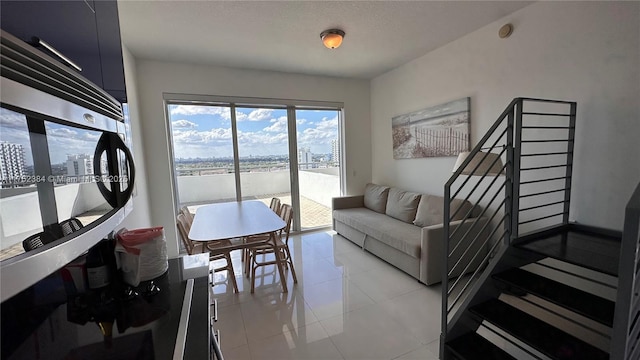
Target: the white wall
(154, 78)
(588, 52)
(139, 217)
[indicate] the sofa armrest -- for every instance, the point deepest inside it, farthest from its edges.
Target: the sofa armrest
(432, 243)
(347, 202)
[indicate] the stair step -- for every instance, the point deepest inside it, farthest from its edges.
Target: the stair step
(545, 338)
(473, 346)
(583, 303)
(577, 245)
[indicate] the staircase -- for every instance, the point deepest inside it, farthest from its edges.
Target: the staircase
(548, 288)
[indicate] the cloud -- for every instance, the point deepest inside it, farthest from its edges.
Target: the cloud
(277, 125)
(258, 115)
(213, 136)
(62, 132)
(9, 119)
(190, 110)
(324, 132)
(301, 121)
(183, 124)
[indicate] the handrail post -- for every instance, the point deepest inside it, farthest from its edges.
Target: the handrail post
(445, 269)
(508, 205)
(622, 344)
(515, 171)
(569, 170)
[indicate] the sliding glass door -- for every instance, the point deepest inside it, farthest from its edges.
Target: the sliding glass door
(263, 153)
(231, 151)
(318, 150)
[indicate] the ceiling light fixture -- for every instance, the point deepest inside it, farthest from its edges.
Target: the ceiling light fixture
(332, 38)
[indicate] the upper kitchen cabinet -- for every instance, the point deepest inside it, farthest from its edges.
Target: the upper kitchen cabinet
(85, 32)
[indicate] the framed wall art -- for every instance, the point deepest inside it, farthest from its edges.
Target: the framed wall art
(441, 130)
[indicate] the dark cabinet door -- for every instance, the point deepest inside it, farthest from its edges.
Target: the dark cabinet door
(110, 46)
(86, 32)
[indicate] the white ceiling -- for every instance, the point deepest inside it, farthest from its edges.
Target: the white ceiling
(285, 35)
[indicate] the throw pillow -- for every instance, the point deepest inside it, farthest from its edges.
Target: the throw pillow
(431, 210)
(402, 205)
(375, 197)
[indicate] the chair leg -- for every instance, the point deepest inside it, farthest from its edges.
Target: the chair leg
(253, 273)
(289, 261)
(231, 273)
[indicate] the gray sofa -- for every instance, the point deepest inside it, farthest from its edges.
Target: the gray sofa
(405, 229)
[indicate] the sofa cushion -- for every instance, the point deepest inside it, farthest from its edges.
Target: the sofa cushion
(402, 205)
(431, 210)
(395, 233)
(375, 197)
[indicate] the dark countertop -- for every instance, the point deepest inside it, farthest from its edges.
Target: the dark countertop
(48, 321)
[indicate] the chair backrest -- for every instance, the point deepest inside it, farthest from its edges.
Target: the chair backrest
(37, 240)
(70, 226)
(286, 214)
(183, 229)
(275, 205)
(187, 214)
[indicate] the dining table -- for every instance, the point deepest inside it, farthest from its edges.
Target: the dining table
(239, 219)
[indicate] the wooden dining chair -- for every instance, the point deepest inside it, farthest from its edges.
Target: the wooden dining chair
(275, 207)
(218, 250)
(187, 214)
(281, 250)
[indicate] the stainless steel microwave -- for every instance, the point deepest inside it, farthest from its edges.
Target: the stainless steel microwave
(66, 171)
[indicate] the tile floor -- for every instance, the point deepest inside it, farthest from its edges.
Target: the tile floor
(347, 304)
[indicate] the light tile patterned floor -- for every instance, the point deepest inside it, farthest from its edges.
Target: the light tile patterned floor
(347, 304)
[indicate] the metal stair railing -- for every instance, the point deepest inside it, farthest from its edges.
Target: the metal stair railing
(625, 339)
(534, 139)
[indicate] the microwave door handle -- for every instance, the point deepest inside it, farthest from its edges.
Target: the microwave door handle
(111, 143)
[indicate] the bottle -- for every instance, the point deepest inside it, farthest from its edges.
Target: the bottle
(98, 271)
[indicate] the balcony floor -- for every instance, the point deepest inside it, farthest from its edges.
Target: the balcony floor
(314, 215)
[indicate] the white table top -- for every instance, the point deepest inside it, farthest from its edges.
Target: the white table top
(232, 220)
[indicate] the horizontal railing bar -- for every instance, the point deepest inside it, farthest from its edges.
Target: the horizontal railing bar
(485, 259)
(549, 153)
(545, 114)
(546, 141)
(547, 100)
(543, 167)
(464, 270)
(544, 205)
(548, 127)
(543, 180)
(545, 192)
(541, 218)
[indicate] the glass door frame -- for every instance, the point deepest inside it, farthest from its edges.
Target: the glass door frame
(267, 103)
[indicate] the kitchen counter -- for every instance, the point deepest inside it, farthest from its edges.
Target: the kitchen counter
(50, 321)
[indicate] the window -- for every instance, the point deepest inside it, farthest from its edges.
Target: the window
(256, 149)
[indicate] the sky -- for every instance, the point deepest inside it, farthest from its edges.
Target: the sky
(198, 131)
(205, 131)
